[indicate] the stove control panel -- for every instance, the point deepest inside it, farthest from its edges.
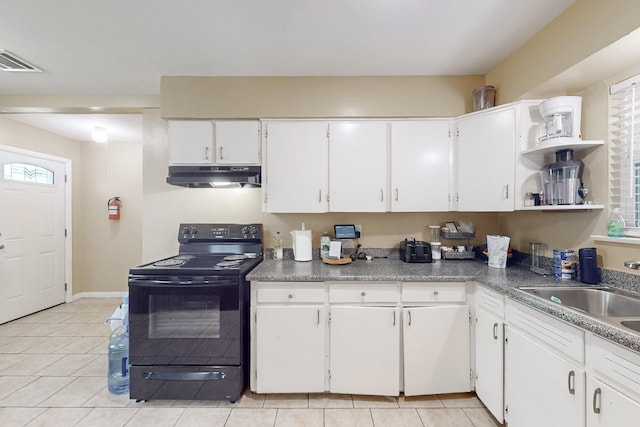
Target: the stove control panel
(217, 232)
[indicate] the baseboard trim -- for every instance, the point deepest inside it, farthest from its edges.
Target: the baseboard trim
(99, 295)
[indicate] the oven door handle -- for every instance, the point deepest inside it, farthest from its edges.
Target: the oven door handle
(177, 282)
(184, 376)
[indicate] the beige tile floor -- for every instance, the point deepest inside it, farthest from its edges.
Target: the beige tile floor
(53, 373)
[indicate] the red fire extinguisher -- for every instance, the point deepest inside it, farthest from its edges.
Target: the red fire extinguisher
(114, 208)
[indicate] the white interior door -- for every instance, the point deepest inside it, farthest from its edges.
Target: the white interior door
(32, 233)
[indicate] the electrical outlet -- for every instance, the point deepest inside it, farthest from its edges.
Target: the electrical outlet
(358, 228)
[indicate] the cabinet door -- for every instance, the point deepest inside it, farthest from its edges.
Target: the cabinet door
(490, 362)
(190, 142)
(420, 166)
(296, 167)
(608, 408)
(358, 166)
(237, 142)
(436, 350)
(541, 388)
(365, 350)
(486, 161)
(290, 354)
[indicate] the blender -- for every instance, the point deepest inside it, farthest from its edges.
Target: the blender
(562, 118)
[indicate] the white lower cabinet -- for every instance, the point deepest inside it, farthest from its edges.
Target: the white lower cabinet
(435, 338)
(489, 339)
(542, 389)
(607, 407)
(544, 370)
(291, 343)
(288, 337)
(613, 384)
(436, 350)
(364, 350)
(371, 338)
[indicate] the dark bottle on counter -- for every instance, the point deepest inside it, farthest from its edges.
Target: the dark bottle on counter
(588, 266)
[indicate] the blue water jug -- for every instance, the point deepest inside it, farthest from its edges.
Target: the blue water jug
(118, 377)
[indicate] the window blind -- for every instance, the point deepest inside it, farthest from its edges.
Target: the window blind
(624, 151)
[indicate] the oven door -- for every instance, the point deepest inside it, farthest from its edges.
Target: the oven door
(185, 321)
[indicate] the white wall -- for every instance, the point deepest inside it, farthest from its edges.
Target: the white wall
(109, 248)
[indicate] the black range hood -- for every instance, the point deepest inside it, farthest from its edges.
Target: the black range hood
(199, 176)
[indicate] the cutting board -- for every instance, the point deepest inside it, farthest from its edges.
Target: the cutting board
(341, 261)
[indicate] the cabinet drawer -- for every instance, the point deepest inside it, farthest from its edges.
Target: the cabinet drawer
(614, 365)
(289, 293)
(491, 301)
(364, 292)
(433, 292)
(558, 336)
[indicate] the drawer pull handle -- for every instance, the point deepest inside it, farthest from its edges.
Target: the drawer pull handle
(597, 396)
(409, 313)
(571, 382)
(290, 296)
(435, 292)
(495, 331)
(363, 293)
(318, 317)
(394, 318)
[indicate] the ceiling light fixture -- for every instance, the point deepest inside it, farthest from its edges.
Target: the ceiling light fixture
(99, 134)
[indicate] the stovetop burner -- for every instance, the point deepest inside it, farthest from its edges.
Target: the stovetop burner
(171, 262)
(228, 264)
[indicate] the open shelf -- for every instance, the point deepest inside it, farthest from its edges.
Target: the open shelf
(562, 208)
(625, 240)
(554, 144)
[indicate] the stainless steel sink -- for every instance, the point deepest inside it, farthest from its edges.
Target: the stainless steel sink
(598, 301)
(615, 307)
(631, 324)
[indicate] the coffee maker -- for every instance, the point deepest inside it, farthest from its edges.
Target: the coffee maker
(562, 180)
(562, 118)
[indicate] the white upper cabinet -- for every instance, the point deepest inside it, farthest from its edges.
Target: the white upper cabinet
(358, 166)
(190, 142)
(237, 142)
(420, 165)
(485, 164)
(214, 142)
(296, 166)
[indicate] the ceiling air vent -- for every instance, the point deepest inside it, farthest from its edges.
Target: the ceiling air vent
(11, 62)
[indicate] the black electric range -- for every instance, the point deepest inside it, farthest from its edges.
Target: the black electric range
(189, 315)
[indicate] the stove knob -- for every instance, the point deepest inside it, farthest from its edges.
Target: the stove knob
(194, 230)
(185, 230)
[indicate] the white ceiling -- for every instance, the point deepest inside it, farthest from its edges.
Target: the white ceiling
(122, 47)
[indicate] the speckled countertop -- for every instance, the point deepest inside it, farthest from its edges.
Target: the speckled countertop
(505, 281)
